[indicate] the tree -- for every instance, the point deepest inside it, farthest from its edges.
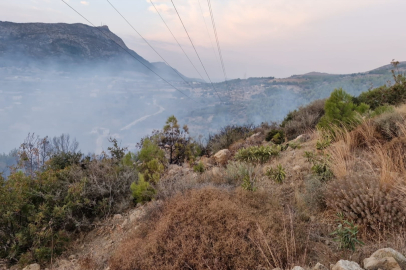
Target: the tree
(340, 110)
(176, 140)
(64, 144)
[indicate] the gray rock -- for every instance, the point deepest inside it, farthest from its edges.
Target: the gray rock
(388, 252)
(297, 268)
(387, 263)
(319, 266)
(34, 266)
(346, 265)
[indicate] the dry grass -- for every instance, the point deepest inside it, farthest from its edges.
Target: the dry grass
(217, 229)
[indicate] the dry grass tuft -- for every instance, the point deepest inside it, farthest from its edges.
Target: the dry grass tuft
(217, 229)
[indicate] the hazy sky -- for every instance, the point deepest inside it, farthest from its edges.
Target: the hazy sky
(258, 37)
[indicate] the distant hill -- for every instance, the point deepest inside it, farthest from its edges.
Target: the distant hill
(69, 45)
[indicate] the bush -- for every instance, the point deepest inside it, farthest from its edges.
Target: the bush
(278, 174)
(276, 136)
(214, 229)
(303, 119)
(40, 213)
(199, 167)
(257, 154)
(366, 201)
(227, 136)
(340, 110)
(387, 124)
(142, 190)
(346, 234)
(152, 159)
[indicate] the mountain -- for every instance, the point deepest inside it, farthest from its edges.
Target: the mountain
(67, 45)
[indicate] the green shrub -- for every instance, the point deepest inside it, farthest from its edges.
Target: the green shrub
(294, 145)
(142, 191)
(199, 167)
(278, 174)
(276, 136)
(257, 154)
(62, 160)
(320, 166)
(381, 110)
(340, 110)
(346, 234)
(323, 143)
(248, 183)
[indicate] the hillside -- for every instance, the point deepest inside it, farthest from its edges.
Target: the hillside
(62, 45)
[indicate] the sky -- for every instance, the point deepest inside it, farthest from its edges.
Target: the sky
(258, 38)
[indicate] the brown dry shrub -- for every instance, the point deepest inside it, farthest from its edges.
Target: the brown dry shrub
(366, 201)
(304, 119)
(216, 229)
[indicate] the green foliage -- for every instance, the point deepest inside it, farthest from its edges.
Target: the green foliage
(62, 160)
(320, 166)
(340, 110)
(381, 110)
(323, 143)
(278, 174)
(150, 151)
(248, 183)
(346, 234)
(40, 213)
(294, 145)
(116, 151)
(142, 191)
(199, 168)
(276, 136)
(257, 154)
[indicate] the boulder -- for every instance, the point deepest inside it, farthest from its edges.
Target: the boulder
(34, 266)
(385, 253)
(302, 138)
(387, 263)
(297, 268)
(346, 265)
(216, 172)
(174, 169)
(222, 156)
(207, 162)
(319, 266)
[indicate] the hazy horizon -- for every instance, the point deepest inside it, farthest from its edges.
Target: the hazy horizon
(258, 38)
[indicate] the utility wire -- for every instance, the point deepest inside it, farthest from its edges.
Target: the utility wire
(196, 51)
(176, 40)
(124, 49)
(217, 40)
(207, 29)
(148, 43)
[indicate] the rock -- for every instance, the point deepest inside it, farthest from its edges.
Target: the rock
(277, 269)
(174, 169)
(302, 138)
(207, 162)
(125, 222)
(255, 135)
(319, 266)
(297, 268)
(222, 156)
(387, 253)
(346, 265)
(34, 266)
(296, 168)
(72, 257)
(216, 172)
(117, 216)
(387, 263)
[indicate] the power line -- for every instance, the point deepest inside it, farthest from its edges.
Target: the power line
(217, 40)
(148, 43)
(124, 49)
(207, 29)
(195, 50)
(176, 40)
